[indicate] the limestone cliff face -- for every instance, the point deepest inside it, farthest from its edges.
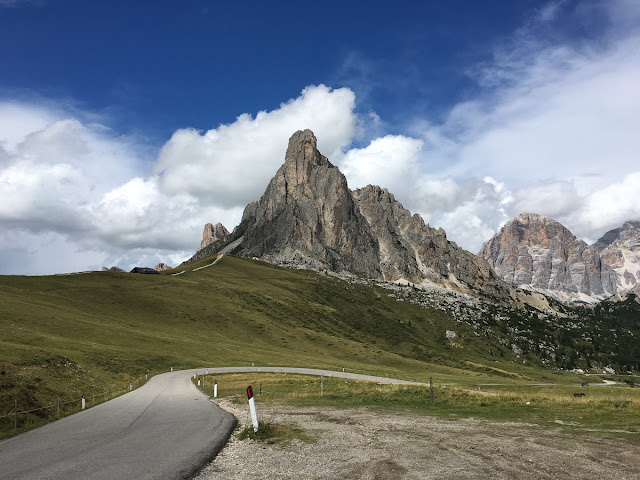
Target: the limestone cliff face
(620, 250)
(537, 252)
(412, 250)
(212, 233)
(307, 215)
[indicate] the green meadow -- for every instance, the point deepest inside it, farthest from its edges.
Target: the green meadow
(94, 333)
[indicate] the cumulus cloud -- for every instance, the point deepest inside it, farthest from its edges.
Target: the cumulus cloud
(551, 128)
(18, 120)
(470, 211)
(391, 161)
(79, 188)
(608, 207)
(232, 164)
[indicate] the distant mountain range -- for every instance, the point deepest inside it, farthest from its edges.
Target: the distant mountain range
(308, 217)
(537, 253)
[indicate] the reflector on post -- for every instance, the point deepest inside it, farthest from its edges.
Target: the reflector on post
(252, 408)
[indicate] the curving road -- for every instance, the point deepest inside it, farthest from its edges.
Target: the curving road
(166, 429)
(308, 371)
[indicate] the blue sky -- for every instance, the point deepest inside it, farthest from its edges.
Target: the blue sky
(157, 66)
(125, 126)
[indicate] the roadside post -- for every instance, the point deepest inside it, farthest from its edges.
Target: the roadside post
(215, 388)
(83, 401)
(252, 408)
(431, 387)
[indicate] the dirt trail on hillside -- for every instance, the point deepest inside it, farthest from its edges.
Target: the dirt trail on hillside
(363, 444)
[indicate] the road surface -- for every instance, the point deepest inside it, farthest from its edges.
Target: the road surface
(166, 429)
(307, 371)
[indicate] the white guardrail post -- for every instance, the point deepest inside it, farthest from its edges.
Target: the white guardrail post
(83, 401)
(215, 388)
(252, 408)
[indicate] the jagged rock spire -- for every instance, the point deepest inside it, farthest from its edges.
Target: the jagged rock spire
(212, 233)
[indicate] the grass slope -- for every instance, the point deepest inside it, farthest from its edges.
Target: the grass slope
(61, 336)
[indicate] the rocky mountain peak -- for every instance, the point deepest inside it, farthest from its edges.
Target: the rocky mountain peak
(620, 249)
(302, 153)
(534, 229)
(212, 233)
(309, 217)
(537, 252)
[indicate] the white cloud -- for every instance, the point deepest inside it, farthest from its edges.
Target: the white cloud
(470, 211)
(80, 188)
(231, 165)
(19, 120)
(609, 207)
(552, 130)
(391, 161)
(556, 123)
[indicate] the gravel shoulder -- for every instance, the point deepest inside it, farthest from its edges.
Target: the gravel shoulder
(366, 444)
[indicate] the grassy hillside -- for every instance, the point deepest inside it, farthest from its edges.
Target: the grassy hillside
(61, 336)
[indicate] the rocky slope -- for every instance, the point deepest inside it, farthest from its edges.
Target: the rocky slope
(412, 250)
(620, 250)
(535, 252)
(212, 233)
(625, 294)
(308, 216)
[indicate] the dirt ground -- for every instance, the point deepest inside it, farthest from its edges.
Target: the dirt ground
(362, 444)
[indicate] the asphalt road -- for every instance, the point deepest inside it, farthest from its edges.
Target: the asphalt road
(307, 371)
(166, 429)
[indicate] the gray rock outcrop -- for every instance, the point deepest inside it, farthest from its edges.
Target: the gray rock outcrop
(112, 269)
(536, 252)
(412, 250)
(161, 267)
(620, 250)
(308, 216)
(212, 233)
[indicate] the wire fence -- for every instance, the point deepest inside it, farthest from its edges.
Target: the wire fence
(21, 417)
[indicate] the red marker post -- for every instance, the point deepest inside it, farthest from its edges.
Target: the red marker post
(252, 408)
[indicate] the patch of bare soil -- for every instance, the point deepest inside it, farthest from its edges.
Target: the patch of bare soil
(363, 444)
